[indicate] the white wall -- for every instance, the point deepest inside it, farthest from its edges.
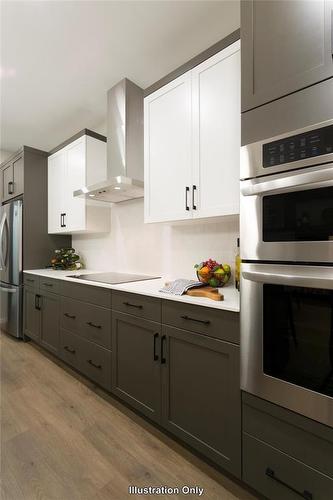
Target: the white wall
(4, 155)
(157, 249)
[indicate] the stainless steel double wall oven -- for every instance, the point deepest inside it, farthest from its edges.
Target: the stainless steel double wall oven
(287, 270)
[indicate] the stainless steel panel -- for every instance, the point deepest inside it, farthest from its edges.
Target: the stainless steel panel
(252, 161)
(252, 191)
(11, 298)
(311, 404)
(11, 243)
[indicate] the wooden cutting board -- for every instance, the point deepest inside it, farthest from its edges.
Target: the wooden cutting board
(207, 291)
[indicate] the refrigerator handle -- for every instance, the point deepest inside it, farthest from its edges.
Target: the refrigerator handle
(5, 256)
(2, 225)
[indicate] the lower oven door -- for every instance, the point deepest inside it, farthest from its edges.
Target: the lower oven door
(288, 216)
(287, 337)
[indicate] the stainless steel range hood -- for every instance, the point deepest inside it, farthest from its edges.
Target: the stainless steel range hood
(124, 147)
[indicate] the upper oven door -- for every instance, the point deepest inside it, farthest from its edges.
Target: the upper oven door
(288, 217)
(301, 148)
(287, 337)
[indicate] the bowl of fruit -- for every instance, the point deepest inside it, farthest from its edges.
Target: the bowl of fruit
(212, 273)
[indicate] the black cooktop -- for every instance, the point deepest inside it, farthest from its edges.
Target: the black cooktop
(112, 278)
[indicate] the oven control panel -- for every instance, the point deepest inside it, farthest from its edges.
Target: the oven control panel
(298, 147)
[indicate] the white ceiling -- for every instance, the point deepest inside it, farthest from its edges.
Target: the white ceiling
(58, 58)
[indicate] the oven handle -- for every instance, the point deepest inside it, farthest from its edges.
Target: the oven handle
(310, 280)
(314, 179)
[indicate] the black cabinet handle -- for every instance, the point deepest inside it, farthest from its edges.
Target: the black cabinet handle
(194, 188)
(71, 316)
(163, 358)
(69, 349)
(133, 305)
(10, 187)
(90, 361)
(30, 280)
(204, 322)
(62, 220)
(37, 302)
(93, 325)
(156, 335)
(187, 190)
(47, 284)
(305, 494)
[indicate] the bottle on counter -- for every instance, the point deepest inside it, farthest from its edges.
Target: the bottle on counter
(237, 267)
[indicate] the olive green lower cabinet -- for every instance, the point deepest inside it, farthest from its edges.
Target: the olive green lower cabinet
(285, 455)
(187, 382)
(31, 314)
(136, 374)
(201, 396)
(41, 318)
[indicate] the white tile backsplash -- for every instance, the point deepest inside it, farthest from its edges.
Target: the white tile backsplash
(157, 249)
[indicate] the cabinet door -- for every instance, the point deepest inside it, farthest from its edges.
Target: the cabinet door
(136, 362)
(49, 321)
(216, 134)
(201, 395)
(18, 175)
(8, 182)
(31, 315)
(56, 188)
(286, 46)
(75, 211)
(167, 140)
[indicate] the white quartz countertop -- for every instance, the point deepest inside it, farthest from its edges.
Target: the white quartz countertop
(150, 288)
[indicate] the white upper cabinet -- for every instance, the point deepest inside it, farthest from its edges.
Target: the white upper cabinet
(216, 134)
(192, 142)
(69, 169)
(168, 169)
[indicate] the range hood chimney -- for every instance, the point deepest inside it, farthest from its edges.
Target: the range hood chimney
(124, 147)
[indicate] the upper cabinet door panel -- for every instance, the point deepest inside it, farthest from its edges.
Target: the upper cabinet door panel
(8, 182)
(168, 151)
(75, 178)
(216, 134)
(286, 46)
(18, 172)
(56, 201)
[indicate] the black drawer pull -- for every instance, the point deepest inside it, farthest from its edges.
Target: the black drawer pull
(30, 280)
(133, 305)
(163, 358)
(70, 316)
(93, 325)
(69, 349)
(90, 361)
(47, 284)
(155, 354)
(204, 322)
(305, 494)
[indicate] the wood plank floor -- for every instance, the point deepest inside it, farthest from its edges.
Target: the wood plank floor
(60, 440)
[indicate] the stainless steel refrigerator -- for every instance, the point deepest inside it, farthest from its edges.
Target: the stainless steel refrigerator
(11, 289)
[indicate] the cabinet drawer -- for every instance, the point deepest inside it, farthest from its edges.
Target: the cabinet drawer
(96, 324)
(90, 359)
(49, 284)
(138, 305)
(87, 293)
(298, 436)
(223, 325)
(71, 314)
(96, 364)
(276, 475)
(70, 348)
(31, 281)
